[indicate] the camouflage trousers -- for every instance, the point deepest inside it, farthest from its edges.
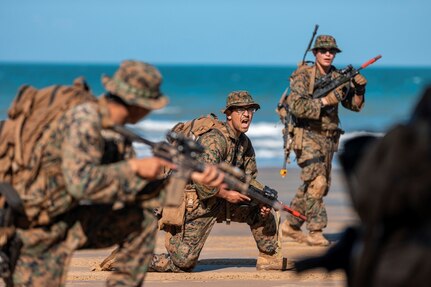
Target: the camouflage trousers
(315, 159)
(184, 244)
(47, 251)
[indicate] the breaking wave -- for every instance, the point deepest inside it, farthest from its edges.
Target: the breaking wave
(266, 138)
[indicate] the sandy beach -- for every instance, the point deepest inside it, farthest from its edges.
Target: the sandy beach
(229, 256)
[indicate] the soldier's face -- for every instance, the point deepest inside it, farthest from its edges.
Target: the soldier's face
(240, 118)
(325, 57)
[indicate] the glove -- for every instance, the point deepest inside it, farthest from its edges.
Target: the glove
(359, 82)
(335, 96)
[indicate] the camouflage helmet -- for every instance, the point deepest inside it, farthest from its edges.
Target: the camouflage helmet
(325, 42)
(137, 84)
(240, 99)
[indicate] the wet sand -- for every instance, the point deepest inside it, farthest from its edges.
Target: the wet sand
(229, 256)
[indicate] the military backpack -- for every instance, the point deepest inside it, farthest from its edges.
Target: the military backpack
(32, 116)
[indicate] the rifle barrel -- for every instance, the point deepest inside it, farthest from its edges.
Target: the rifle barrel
(276, 204)
(132, 136)
(310, 43)
(369, 62)
(293, 212)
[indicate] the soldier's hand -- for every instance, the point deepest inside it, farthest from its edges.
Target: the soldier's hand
(232, 196)
(359, 82)
(211, 176)
(265, 210)
(331, 99)
(334, 97)
(150, 167)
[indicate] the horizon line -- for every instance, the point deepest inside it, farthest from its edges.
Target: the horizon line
(193, 64)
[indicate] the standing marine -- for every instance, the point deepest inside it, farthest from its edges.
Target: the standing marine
(87, 189)
(316, 134)
(225, 142)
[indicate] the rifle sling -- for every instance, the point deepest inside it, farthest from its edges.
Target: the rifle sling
(312, 80)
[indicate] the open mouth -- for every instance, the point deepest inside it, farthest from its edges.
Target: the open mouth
(245, 122)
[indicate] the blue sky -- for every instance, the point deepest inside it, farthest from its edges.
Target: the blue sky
(247, 32)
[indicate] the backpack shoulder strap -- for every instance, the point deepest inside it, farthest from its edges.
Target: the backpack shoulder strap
(222, 130)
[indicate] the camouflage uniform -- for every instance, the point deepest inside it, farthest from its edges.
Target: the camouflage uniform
(102, 196)
(316, 137)
(185, 243)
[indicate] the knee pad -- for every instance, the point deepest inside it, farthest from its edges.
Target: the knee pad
(317, 187)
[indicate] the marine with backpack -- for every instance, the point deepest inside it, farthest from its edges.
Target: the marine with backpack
(79, 185)
(31, 117)
(204, 206)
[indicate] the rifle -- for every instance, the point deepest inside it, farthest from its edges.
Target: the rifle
(326, 84)
(183, 152)
(287, 119)
(269, 197)
(316, 27)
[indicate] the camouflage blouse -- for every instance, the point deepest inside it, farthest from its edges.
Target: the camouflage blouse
(225, 146)
(303, 106)
(80, 164)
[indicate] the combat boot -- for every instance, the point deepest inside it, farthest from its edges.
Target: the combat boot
(316, 238)
(109, 263)
(159, 263)
(267, 262)
(293, 232)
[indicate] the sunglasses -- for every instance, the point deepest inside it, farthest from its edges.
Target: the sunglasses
(324, 51)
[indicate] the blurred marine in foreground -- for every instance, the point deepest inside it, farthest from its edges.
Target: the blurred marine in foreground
(389, 182)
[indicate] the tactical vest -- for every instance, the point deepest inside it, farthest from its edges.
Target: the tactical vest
(194, 129)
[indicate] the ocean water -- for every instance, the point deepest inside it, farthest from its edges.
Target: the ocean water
(198, 90)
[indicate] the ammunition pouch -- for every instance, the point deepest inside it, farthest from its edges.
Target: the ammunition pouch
(172, 216)
(175, 215)
(191, 198)
(297, 140)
